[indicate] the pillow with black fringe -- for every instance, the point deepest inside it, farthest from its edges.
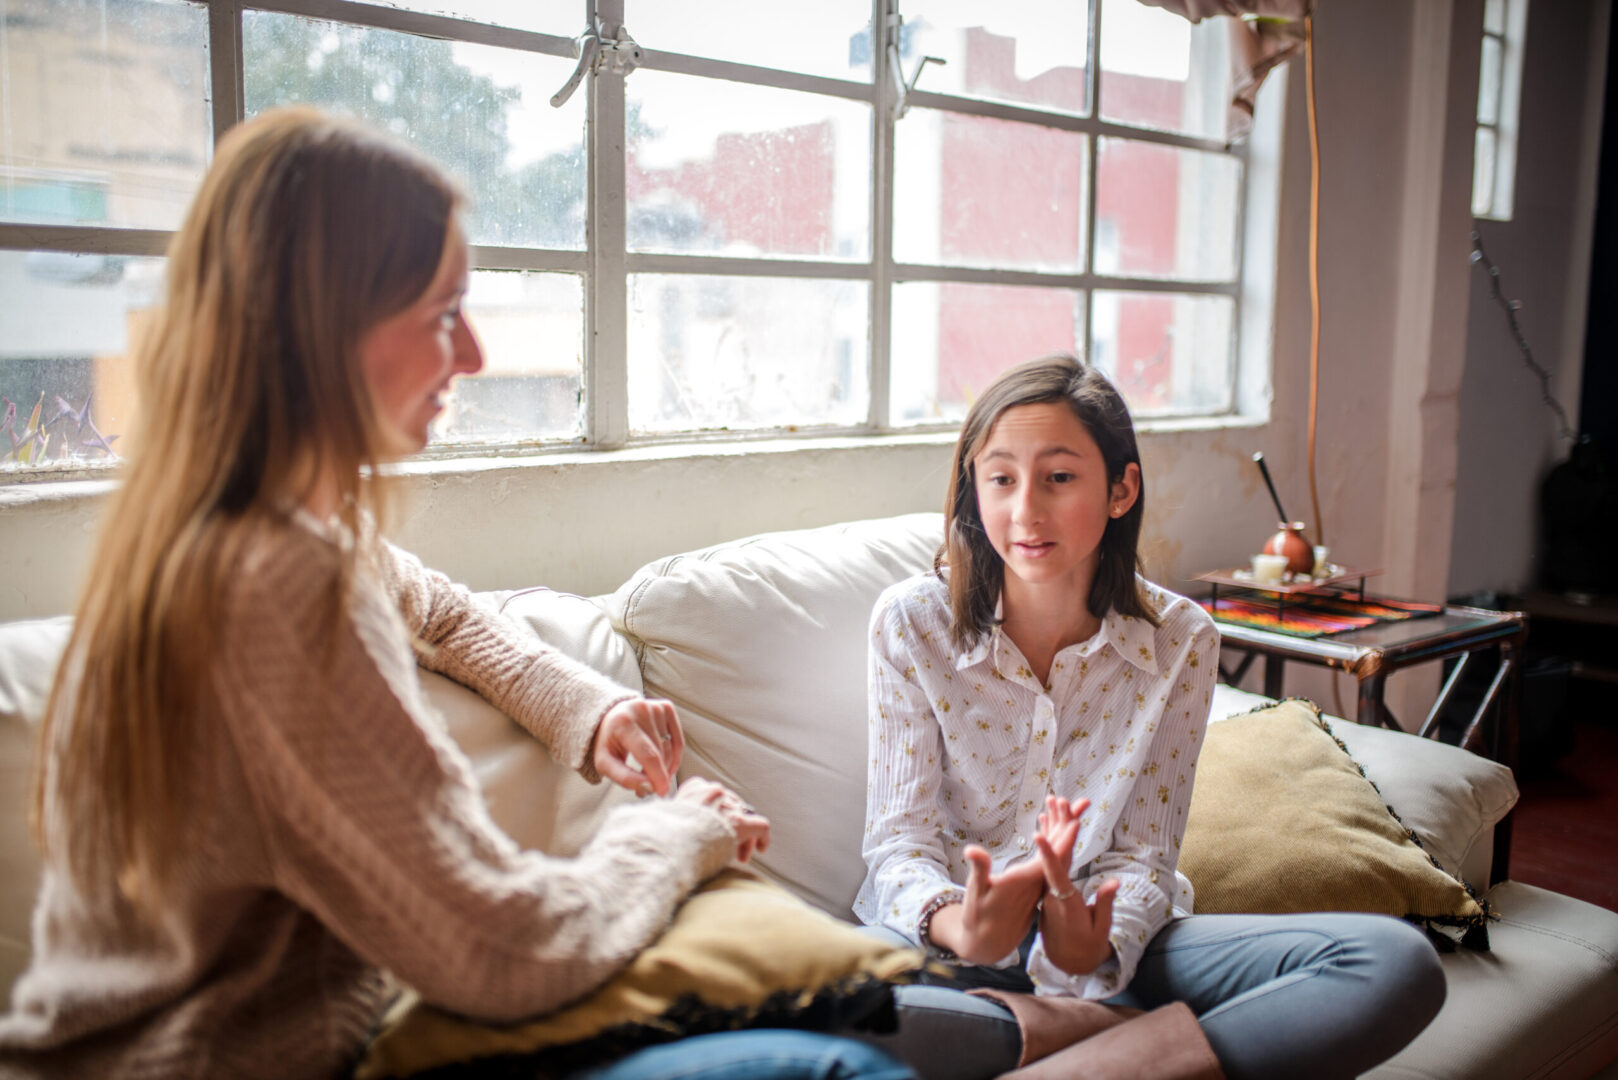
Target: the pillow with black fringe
(1282, 819)
(741, 952)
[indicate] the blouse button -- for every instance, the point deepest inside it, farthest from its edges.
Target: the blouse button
(1022, 842)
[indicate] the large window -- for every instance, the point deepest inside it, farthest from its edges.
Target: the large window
(747, 218)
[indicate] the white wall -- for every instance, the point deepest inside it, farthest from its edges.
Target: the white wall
(1395, 86)
(1508, 439)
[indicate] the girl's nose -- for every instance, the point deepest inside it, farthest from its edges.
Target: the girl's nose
(1027, 509)
(468, 350)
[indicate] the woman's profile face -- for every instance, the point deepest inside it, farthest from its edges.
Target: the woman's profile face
(409, 358)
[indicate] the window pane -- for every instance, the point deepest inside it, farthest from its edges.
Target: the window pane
(483, 112)
(721, 167)
(950, 340)
(1494, 16)
(1027, 54)
(561, 17)
(532, 383)
(1489, 82)
(1166, 352)
(829, 37)
(735, 353)
(106, 117)
(1160, 71)
(67, 326)
(1483, 173)
(975, 191)
(1164, 212)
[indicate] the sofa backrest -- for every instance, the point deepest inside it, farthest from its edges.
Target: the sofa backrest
(28, 654)
(540, 803)
(761, 643)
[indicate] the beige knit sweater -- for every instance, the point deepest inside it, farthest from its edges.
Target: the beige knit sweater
(344, 845)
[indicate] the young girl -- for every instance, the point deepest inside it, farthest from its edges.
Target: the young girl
(1036, 713)
(254, 824)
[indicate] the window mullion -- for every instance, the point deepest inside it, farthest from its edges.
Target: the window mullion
(882, 135)
(227, 83)
(1091, 173)
(606, 338)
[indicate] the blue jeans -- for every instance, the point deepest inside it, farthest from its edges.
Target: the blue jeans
(754, 1055)
(1321, 995)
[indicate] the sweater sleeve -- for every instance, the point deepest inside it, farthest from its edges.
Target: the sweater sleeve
(375, 826)
(557, 699)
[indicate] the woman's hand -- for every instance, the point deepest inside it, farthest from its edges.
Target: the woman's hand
(1075, 932)
(752, 829)
(997, 911)
(648, 729)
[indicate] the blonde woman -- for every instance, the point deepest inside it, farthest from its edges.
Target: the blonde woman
(253, 828)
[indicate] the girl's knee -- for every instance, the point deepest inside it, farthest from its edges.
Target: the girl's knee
(1406, 968)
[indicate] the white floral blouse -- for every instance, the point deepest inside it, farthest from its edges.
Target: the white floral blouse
(964, 747)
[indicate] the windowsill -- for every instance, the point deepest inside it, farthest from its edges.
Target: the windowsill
(18, 491)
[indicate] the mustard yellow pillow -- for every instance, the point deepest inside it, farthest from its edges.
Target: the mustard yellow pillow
(739, 952)
(1283, 820)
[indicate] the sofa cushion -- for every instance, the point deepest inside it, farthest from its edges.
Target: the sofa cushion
(761, 644)
(1451, 798)
(741, 951)
(28, 652)
(1282, 820)
(1541, 1003)
(539, 802)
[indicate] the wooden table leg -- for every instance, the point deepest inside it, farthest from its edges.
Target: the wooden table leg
(1503, 747)
(1273, 666)
(1371, 712)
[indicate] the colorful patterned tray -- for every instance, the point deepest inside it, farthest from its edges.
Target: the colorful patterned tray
(1313, 616)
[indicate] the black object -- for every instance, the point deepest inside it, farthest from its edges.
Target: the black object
(1258, 459)
(1579, 510)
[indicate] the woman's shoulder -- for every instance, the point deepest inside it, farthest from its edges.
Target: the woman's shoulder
(283, 566)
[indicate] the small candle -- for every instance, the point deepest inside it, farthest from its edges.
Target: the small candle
(1269, 568)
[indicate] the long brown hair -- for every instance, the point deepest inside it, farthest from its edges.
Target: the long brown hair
(307, 231)
(976, 571)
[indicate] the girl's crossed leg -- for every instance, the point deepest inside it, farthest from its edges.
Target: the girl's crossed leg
(1322, 995)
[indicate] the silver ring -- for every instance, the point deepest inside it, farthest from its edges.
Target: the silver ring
(1070, 894)
(664, 736)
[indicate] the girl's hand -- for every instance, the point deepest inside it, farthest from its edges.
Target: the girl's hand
(997, 911)
(1075, 932)
(752, 829)
(650, 730)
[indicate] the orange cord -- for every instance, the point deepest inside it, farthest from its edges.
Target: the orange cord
(1314, 295)
(1314, 267)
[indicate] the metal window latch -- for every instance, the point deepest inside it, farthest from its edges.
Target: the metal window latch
(902, 87)
(595, 50)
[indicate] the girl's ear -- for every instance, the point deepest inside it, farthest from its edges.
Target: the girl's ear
(1125, 490)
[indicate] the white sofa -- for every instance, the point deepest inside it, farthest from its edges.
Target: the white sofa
(761, 644)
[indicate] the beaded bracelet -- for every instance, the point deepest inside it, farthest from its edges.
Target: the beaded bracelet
(924, 925)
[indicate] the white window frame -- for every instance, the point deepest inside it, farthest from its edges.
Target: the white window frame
(1510, 40)
(605, 264)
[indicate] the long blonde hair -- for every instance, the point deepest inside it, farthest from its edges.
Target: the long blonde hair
(308, 230)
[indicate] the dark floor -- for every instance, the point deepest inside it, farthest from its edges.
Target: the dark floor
(1565, 835)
